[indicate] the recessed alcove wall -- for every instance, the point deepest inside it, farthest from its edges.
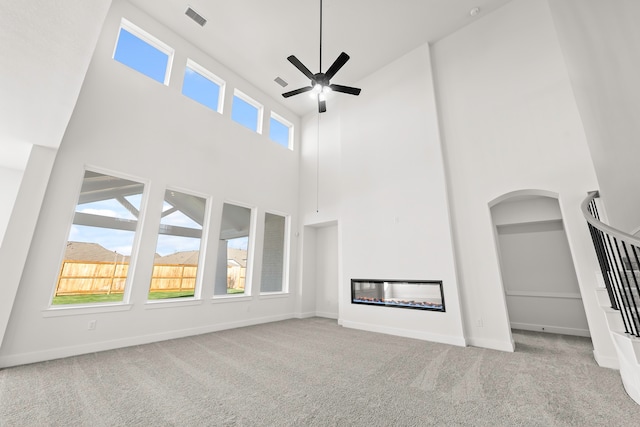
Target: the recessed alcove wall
(540, 283)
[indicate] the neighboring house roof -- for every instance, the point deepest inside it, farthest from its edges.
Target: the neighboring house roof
(186, 257)
(237, 255)
(81, 251)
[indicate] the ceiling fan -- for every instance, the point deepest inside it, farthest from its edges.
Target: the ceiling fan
(320, 82)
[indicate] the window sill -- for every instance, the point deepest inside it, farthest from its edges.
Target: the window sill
(84, 309)
(151, 305)
(270, 295)
(230, 298)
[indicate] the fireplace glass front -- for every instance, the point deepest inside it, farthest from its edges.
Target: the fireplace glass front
(416, 294)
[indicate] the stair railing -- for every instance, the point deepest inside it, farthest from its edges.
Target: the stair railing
(618, 256)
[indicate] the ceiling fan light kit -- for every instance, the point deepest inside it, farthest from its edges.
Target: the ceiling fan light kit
(321, 82)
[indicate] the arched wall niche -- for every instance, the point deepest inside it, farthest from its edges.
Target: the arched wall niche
(536, 265)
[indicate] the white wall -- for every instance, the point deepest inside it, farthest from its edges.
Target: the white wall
(10, 180)
(327, 277)
(126, 123)
(393, 214)
(509, 123)
(58, 37)
(320, 165)
(600, 41)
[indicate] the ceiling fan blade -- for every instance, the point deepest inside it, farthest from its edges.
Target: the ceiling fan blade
(297, 91)
(346, 89)
(300, 66)
(322, 105)
(337, 64)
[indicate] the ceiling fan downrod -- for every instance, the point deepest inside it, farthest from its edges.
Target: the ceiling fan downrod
(321, 82)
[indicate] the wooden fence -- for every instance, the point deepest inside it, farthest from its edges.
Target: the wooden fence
(82, 278)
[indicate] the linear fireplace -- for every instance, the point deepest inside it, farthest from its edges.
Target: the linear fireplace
(416, 294)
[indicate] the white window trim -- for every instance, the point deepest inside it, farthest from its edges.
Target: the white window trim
(133, 260)
(76, 310)
(248, 279)
(272, 295)
(147, 38)
(288, 124)
(218, 299)
(197, 292)
(246, 98)
(285, 254)
(176, 302)
(209, 76)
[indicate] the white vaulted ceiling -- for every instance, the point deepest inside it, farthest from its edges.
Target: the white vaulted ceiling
(47, 47)
(254, 37)
(46, 50)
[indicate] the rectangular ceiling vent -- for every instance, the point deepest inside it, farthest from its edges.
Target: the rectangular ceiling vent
(280, 82)
(199, 19)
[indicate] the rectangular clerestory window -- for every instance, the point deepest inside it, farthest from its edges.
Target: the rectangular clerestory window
(142, 52)
(203, 86)
(280, 131)
(175, 267)
(246, 111)
(95, 267)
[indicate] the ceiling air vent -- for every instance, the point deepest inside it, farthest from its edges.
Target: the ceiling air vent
(280, 81)
(199, 19)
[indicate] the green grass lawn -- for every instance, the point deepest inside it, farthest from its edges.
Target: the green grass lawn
(97, 298)
(166, 295)
(85, 299)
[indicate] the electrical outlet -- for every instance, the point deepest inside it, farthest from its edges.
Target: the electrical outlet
(92, 325)
(479, 323)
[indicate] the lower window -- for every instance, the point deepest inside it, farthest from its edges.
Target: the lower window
(274, 253)
(175, 266)
(96, 261)
(233, 251)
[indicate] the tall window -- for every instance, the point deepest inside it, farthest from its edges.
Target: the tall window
(96, 261)
(247, 112)
(274, 254)
(203, 86)
(139, 50)
(233, 251)
(280, 130)
(178, 248)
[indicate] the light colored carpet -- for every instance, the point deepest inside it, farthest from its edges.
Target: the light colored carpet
(313, 372)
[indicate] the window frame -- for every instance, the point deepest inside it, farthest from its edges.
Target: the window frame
(100, 307)
(246, 98)
(204, 238)
(286, 253)
(248, 281)
(197, 68)
(277, 117)
(150, 40)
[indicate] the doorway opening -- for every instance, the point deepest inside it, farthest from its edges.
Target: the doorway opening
(320, 275)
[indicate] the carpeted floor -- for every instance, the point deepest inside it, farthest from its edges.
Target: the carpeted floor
(314, 373)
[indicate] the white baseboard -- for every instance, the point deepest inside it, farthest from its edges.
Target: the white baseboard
(326, 314)
(408, 333)
(59, 353)
(605, 361)
(305, 315)
(551, 329)
(508, 346)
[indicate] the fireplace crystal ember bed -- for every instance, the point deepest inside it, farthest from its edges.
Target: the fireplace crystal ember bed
(416, 294)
